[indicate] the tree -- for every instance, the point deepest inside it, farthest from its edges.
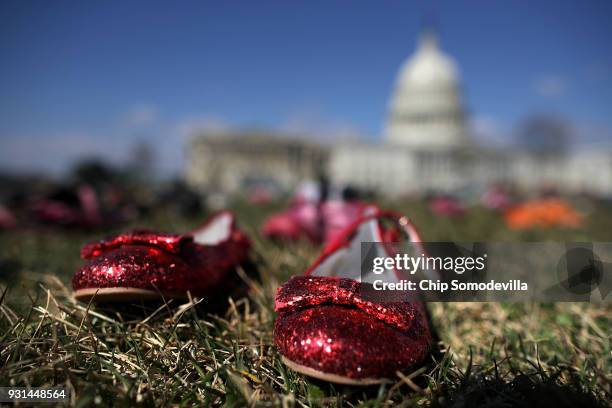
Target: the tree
(545, 134)
(95, 172)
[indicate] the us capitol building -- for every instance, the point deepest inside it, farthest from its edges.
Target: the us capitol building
(427, 147)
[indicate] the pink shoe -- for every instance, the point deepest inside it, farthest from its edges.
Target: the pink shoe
(300, 221)
(70, 208)
(314, 222)
(497, 198)
(7, 219)
(447, 206)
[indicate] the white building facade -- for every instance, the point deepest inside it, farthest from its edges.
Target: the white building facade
(427, 146)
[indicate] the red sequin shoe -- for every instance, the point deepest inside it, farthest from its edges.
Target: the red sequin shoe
(151, 265)
(328, 329)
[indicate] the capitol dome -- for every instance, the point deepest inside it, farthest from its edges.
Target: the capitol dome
(426, 110)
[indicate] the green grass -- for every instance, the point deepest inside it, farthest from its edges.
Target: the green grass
(491, 354)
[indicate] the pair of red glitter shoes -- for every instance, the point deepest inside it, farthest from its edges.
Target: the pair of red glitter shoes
(326, 328)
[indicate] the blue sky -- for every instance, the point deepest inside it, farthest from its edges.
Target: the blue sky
(86, 78)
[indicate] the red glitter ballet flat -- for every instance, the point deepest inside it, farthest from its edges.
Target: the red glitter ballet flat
(151, 265)
(327, 328)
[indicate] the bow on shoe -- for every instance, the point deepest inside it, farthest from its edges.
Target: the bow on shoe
(171, 243)
(302, 292)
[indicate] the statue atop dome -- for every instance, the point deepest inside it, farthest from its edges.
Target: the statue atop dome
(426, 109)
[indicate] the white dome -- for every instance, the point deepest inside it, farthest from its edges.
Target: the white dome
(428, 66)
(426, 109)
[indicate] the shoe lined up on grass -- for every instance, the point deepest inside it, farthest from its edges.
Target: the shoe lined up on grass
(327, 327)
(317, 222)
(148, 265)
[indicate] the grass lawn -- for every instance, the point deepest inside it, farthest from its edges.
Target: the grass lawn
(491, 354)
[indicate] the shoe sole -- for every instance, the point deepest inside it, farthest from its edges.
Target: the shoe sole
(117, 295)
(335, 378)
